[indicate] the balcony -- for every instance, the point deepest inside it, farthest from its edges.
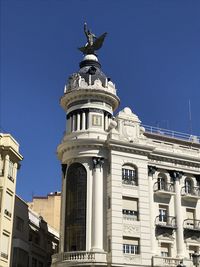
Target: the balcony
(163, 189)
(190, 193)
(169, 262)
(191, 224)
(83, 257)
(166, 222)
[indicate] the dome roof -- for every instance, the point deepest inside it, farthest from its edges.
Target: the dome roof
(90, 70)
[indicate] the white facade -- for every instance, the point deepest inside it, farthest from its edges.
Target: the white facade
(130, 195)
(9, 163)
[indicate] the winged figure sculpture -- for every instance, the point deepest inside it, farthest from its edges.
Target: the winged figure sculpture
(93, 43)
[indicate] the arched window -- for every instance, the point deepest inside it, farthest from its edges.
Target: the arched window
(188, 186)
(129, 175)
(75, 219)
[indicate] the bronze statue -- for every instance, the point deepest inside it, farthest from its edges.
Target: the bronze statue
(93, 43)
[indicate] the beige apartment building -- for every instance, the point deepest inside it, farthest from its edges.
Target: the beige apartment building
(130, 192)
(48, 207)
(34, 240)
(9, 163)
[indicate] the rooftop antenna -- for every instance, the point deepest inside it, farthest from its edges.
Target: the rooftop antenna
(190, 117)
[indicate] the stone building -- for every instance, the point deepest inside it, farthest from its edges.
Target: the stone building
(48, 207)
(9, 163)
(34, 241)
(130, 193)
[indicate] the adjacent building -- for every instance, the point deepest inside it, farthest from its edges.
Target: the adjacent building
(48, 207)
(34, 241)
(9, 163)
(130, 193)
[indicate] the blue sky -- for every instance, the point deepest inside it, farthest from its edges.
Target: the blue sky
(152, 53)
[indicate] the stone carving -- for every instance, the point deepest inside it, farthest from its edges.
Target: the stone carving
(131, 229)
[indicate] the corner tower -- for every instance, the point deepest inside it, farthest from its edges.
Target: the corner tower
(89, 101)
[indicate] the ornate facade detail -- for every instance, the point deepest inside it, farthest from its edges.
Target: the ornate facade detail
(97, 162)
(151, 170)
(130, 229)
(175, 175)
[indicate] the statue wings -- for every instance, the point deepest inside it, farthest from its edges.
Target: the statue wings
(90, 49)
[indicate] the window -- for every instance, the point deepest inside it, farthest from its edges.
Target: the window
(163, 213)
(129, 175)
(34, 262)
(10, 170)
(162, 182)
(4, 246)
(20, 258)
(131, 246)
(75, 221)
(130, 208)
(188, 186)
(192, 250)
(8, 204)
(1, 166)
(165, 250)
(19, 224)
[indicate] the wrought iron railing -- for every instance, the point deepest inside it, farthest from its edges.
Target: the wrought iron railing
(165, 221)
(172, 134)
(159, 186)
(192, 224)
(190, 191)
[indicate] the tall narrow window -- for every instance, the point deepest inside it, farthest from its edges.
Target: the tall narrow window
(163, 213)
(4, 246)
(129, 175)
(75, 221)
(8, 204)
(130, 208)
(165, 250)
(11, 169)
(188, 186)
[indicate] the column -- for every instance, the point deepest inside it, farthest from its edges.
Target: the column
(68, 124)
(97, 205)
(151, 172)
(106, 121)
(78, 122)
(179, 216)
(83, 121)
(73, 122)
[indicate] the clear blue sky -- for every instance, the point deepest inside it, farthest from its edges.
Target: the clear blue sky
(152, 53)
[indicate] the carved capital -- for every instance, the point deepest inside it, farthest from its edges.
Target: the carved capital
(151, 170)
(175, 175)
(97, 162)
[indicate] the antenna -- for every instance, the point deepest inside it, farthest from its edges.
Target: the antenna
(190, 116)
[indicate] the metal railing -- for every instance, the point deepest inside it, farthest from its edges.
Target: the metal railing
(163, 186)
(191, 224)
(190, 191)
(172, 134)
(165, 221)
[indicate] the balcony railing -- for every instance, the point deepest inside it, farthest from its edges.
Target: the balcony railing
(165, 261)
(167, 187)
(130, 181)
(166, 221)
(79, 256)
(191, 224)
(192, 191)
(172, 134)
